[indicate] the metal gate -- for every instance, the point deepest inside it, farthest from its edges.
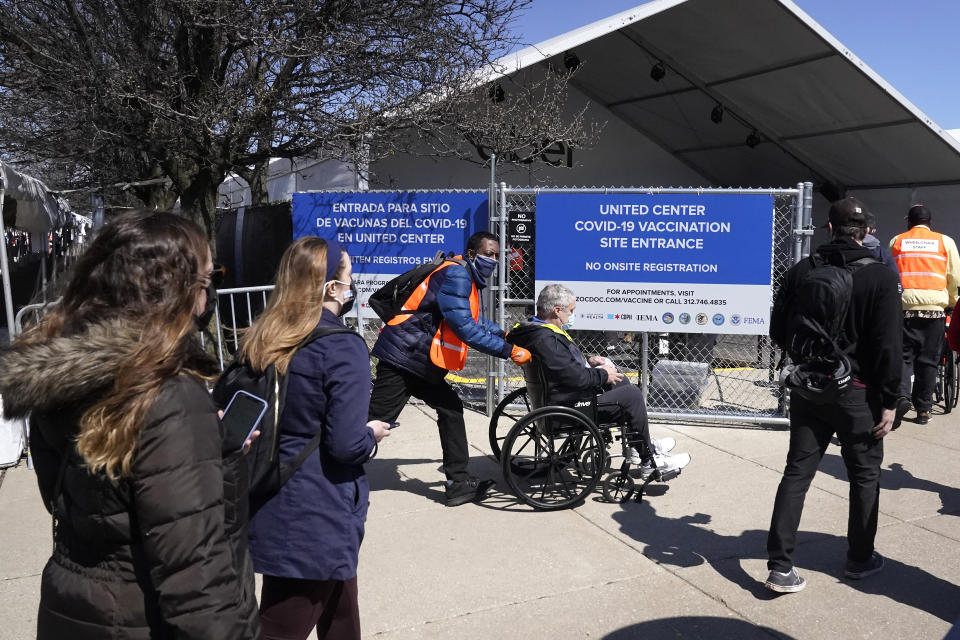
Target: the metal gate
(742, 383)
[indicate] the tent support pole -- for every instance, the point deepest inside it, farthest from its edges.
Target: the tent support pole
(5, 265)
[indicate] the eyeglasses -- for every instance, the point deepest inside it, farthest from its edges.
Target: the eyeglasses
(217, 275)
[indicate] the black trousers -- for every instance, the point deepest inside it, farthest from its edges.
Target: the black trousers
(922, 349)
(290, 608)
(811, 428)
(627, 398)
(391, 391)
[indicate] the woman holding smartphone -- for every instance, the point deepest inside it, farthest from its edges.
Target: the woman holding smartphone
(306, 539)
(126, 443)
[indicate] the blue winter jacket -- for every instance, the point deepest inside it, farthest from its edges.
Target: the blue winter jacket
(407, 345)
(313, 527)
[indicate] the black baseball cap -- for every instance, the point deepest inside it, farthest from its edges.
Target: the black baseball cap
(848, 212)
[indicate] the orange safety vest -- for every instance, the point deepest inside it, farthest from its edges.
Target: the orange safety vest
(447, 350)
(921, 259)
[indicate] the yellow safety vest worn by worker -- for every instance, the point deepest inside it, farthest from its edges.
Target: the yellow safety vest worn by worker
(447, 350)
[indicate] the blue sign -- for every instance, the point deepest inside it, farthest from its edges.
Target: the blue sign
(672, 238)
(391, 232)
(640, 262)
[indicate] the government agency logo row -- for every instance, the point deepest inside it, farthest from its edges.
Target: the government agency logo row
(700, 318)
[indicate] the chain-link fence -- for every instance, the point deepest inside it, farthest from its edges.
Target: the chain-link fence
(689, 375)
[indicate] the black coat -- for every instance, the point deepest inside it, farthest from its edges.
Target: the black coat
(567, 375)
(147, 555)
(873, 323)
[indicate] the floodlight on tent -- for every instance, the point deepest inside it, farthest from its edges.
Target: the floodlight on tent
(658, 71)
(496, 93)
(571, 61)
(753, 139)
(717, 114)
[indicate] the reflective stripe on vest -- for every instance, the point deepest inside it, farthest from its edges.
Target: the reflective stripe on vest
(921, 259)
(447, 350)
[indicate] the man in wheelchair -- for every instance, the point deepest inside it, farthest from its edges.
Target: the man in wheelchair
(568, 376)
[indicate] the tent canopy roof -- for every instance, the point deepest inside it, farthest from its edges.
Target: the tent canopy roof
(46, 210)
(818, 111)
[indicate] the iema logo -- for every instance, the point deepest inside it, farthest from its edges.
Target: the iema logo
(684, 318)
(718, 319)
(609, 316)
(668, 318)
(735, 319)
(701, 318)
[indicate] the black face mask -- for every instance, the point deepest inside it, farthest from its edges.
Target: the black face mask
(348, 304)
(203, 320)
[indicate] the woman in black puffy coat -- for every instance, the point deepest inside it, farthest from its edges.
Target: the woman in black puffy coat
(127, 445)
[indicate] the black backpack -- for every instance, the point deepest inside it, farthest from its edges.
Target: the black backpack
(267, 473)
(817, 343)
(387, 301)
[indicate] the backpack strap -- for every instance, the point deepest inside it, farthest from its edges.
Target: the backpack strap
(287, 470)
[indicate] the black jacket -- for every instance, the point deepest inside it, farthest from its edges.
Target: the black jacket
(147, 555)
(873, 324)
(567, 375)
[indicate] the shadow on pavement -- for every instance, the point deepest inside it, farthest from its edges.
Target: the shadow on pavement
(896, 477)
(682, 542)
(696, 628)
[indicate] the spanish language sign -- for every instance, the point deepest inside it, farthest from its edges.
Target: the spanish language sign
(388, 233)
(660, 262)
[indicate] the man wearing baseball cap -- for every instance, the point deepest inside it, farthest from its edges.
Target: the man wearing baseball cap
(930, 273)
(864, 412)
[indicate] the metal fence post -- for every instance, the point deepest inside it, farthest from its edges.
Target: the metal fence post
(796, 226)
(5, 266)
(645, 365)
(504, 284)
(807, 217)
(497, 284)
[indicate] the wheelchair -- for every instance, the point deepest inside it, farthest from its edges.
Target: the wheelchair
(553, 456)
(947, 389)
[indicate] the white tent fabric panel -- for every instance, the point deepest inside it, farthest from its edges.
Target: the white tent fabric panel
(773, 69)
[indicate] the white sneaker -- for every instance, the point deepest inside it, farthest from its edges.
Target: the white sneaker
(632, 456)
(663, 446)
(673, 462)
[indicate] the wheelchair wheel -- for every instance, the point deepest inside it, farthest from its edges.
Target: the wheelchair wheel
(553, 458)
(618, 488)
(950, 387)
(513, 407)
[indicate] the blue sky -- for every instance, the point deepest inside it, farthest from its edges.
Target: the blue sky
(914, 45)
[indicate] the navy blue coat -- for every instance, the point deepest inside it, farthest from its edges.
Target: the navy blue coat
(312, 529)
(407, 345)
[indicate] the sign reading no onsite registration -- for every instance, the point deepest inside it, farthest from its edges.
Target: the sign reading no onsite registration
(388, 233)
(660, 262)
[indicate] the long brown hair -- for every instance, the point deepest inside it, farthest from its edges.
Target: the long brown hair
(144, 270)
(294, 307)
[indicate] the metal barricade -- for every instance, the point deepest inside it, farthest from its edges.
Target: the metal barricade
(738, 381)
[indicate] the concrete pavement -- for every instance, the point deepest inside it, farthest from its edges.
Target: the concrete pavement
(687, 563)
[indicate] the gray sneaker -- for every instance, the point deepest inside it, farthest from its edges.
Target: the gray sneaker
(789, 582)
(857, 570)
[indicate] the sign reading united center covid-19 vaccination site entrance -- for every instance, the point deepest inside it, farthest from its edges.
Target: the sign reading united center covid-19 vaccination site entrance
(388, 233)
(660, 262)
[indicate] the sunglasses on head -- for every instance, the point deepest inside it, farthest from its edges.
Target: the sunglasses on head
(217, 274)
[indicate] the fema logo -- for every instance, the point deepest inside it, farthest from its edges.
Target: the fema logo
(735, 319)
(718, 319)
(701, 318)
(684, 318)
(668, 318)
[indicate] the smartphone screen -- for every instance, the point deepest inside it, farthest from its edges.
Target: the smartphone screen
(240, 418)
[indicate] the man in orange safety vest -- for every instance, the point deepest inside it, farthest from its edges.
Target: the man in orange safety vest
(929, 269)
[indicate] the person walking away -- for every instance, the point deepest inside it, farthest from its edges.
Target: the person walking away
(416, 349)
(127, 445)
(863, 410)
(930, 273)
(870, 241)
(305, 539)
